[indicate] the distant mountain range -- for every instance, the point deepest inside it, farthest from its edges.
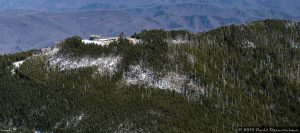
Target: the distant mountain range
(29, 24)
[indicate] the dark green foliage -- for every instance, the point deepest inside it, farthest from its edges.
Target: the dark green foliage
(244, 85)
(74, 47)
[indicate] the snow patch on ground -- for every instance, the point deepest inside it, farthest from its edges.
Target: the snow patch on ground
(71, 122)
(37, 131)
(171, 81)
(50, 51)
(75, 121)
(139, 76)
(104, 64)
(128, 126)
(18, 63)
(16, 66)
(248, 44)
(102, 43)
(179, 41)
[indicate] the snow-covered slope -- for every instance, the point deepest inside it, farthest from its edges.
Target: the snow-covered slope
(63, 62)
(108, 65)
(104, 64)
(171, 81)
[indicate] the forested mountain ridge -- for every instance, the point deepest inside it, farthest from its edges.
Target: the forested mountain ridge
(173, 81)
(29, 24)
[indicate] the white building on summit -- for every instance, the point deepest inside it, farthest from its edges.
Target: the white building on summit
(103, 41)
